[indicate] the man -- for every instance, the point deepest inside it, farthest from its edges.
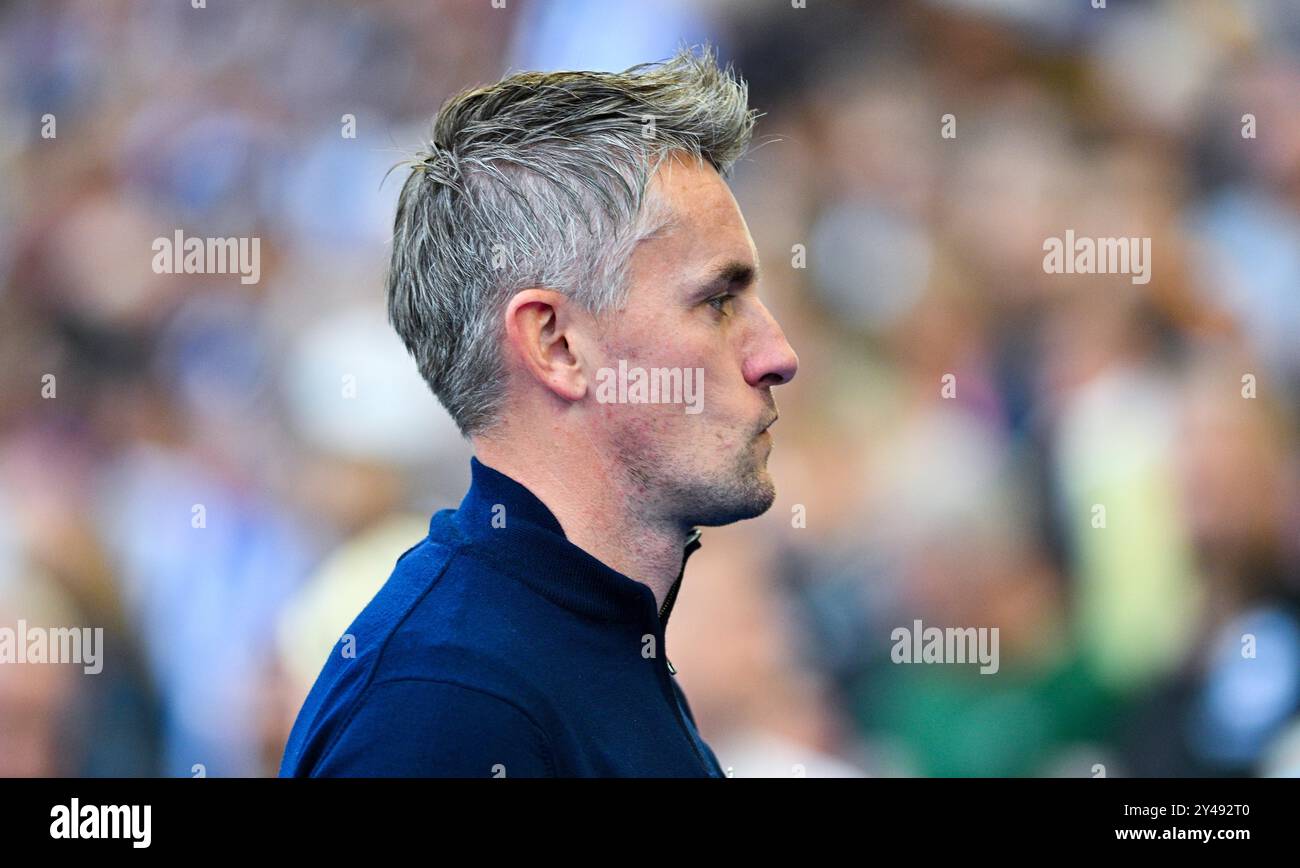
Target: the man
(568, 267)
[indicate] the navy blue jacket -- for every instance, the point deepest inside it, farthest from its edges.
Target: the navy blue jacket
(497, 648)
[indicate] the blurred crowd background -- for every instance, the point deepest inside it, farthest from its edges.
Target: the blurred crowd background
(1172, 404)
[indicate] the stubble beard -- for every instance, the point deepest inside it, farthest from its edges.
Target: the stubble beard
(710, 496)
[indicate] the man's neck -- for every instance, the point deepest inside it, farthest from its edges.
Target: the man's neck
(594, 506)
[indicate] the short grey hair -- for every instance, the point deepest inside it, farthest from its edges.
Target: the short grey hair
(540, 180)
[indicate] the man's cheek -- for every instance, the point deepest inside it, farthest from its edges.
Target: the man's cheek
(693, 390)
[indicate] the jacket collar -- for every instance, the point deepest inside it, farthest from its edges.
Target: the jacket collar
(524, 537)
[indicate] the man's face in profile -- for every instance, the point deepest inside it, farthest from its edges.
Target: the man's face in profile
(693, 304)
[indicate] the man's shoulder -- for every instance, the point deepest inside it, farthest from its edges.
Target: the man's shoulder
(428, 726)
(443, 613)
(448, 603)
(438, 643)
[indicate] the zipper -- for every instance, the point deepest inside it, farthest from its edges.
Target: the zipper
(672, 670)
(686, 729)
(692, 543)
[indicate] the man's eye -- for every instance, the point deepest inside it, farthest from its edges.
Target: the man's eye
(720, 302)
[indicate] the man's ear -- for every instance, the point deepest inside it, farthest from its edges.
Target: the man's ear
(540, 327)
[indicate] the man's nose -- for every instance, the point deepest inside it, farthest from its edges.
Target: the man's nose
(771, 360)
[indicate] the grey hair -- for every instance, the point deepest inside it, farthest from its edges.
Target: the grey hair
(540, 180)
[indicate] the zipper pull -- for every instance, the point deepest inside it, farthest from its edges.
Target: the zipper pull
(671, 670)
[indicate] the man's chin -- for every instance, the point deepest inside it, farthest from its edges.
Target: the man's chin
(751, 499)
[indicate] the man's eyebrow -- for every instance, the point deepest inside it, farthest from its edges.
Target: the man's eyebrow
(733, 274)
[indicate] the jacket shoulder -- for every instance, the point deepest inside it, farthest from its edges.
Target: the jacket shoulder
(430, 727)
(423, 683)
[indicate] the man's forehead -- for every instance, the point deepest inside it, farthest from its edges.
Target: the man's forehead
(696, 215)
(690, 184)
